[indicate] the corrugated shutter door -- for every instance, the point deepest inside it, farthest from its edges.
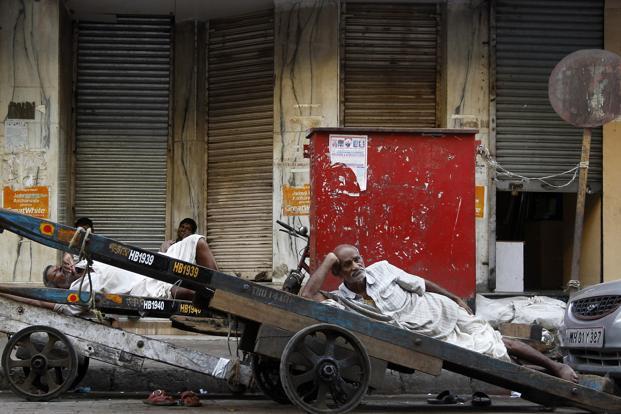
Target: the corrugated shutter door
(531, 38)
(389, 64)
(240, 142)
(122, 127)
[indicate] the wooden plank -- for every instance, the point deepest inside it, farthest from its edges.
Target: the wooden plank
(597, 382)
(87, 348)
(262, 313)
(521, 330)
(210, 326)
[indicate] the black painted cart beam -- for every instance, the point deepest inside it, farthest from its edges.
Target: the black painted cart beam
(112, 303)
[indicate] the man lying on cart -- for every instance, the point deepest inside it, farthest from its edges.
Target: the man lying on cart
(113, 280)
(419, 305)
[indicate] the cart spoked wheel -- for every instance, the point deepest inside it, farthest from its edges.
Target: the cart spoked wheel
(266, 373)
(39, 363)
(325, 369)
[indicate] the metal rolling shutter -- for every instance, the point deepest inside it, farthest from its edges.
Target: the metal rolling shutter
(389, 64)
(531, 38)
(122, 127)
(240, 142)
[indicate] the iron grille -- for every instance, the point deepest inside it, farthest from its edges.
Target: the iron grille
(595, 307)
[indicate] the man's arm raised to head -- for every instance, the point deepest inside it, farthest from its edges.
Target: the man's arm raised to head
(204, 256)
(312, 287)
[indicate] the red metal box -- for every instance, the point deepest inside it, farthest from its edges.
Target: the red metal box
(406, 196)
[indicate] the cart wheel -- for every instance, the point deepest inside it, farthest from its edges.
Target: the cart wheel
(325, 369)
(83, 362)
(39, 363)
(266, 373)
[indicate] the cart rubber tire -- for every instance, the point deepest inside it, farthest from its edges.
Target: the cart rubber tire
(49, 368)
(325, 369)
(266, 373)
(83, 362)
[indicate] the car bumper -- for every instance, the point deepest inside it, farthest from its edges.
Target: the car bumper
(595, 361)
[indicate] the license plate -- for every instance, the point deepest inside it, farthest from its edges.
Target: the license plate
(590, 338)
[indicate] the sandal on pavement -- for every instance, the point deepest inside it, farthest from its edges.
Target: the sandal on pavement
(160, 397)
(190, 399)
(480, 399)
(445, 397)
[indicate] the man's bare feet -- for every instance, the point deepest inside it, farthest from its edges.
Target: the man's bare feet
(565, 372)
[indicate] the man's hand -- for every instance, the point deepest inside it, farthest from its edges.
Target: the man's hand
(463, 304)
(434, 288)
(68, 265)
(164, 246)
(333, 261)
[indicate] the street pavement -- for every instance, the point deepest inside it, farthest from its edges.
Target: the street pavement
(106, 403)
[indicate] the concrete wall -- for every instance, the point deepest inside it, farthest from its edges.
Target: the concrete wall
(591, 252)
(65, 121)
(29, 72)
(611, 215)
(467, 97)
(305, 96)
(188, 155)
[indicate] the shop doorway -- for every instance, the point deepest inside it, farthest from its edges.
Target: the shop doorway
(544, 222)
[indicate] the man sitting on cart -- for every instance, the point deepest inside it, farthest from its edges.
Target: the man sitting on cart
(187, 227)
(419, 305)
(110, 279)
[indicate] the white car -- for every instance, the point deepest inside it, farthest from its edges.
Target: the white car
(591, 334)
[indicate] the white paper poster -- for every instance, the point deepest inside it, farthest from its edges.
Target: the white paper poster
(15, 134)
(351, 150)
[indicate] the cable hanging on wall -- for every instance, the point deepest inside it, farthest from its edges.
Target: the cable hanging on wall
(484, 152)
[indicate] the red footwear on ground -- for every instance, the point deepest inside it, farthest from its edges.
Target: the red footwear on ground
(190, 399)
(160, 397)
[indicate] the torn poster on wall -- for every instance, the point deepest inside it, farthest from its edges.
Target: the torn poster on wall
(24, 135)
(351, 150)
(479, 201)
(15, 134)
(296, 200)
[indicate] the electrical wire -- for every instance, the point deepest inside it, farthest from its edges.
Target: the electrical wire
(485, 154)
